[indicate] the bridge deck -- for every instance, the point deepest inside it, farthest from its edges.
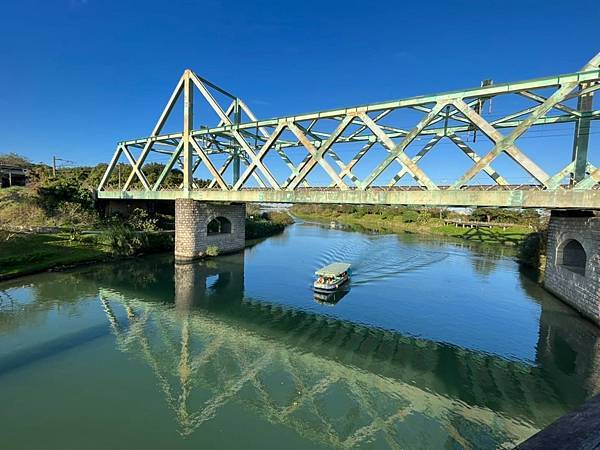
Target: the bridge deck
(516, 197)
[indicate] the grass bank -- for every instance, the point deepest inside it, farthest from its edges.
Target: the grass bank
(414, 222)
(26, 253)
(44, 224)
(265, 224)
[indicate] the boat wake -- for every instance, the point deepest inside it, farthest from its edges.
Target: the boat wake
(377, 258)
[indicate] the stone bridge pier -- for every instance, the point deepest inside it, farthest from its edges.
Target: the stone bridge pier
(573, 260)
(199, 225)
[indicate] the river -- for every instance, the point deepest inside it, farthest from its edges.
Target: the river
(436, 344)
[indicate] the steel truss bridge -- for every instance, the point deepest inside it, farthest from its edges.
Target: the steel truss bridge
(238, 151)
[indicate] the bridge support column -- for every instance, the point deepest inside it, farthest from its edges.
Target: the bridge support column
(573, 260)
(199, 225)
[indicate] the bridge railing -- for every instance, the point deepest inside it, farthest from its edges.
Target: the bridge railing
(236, 151)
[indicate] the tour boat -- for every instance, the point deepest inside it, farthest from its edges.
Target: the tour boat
(330, 278)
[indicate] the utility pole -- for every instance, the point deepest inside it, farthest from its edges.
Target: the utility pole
(54, 167)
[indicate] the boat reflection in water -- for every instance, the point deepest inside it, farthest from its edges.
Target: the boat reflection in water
(333, 382)
(330, 298)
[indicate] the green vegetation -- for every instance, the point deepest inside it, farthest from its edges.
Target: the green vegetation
(61, 209)
(69, 209)
(212, 250)
(57, 203)
(54, 221)
(532, 250)
(22, 253)
(496, 225)
(265, 224)
(14, 159)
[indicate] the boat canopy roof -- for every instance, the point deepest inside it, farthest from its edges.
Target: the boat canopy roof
(333, 270)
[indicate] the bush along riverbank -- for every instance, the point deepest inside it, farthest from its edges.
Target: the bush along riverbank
(23, 253)
(265, 224)
(53, 221)
(524, 229)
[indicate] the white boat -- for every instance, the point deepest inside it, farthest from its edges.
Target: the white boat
(332, 277)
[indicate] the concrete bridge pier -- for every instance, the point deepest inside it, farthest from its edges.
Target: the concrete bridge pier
(199, 225)
(573, 260)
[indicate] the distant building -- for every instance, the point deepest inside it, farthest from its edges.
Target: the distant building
(12, 176)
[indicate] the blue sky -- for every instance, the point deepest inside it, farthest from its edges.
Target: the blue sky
(79, 75)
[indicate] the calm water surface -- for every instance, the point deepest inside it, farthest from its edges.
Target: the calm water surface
(435, 345)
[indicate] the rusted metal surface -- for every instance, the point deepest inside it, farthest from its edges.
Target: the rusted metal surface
(242, 145)
(519, 197)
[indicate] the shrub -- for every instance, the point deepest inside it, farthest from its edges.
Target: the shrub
(51, 194)
(122, 240)
(410, 216)
(140, 220)
(532, 249)
(280, 217)
(18, 207)
(14, 159)
(424, 217)
(212, 250)
(506, 215)
(69, 213)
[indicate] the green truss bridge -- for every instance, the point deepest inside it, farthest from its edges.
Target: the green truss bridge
(371, 154)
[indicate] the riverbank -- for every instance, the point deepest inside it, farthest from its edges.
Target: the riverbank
(511, 235)
(28, 253)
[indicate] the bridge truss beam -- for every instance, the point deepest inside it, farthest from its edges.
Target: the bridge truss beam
(454, 116)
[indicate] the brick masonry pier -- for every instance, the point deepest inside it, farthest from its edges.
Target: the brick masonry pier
(579, 430)
(573, 260)
(199, 225)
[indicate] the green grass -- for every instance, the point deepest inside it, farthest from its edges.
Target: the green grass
(26, 253)
(495, 235)
(21, 254)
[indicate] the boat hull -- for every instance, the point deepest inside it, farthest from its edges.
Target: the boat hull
(329, 287)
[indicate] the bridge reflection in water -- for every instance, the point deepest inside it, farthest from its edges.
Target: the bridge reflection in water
(334, 382)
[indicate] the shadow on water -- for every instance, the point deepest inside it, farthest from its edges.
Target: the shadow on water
(333, 382)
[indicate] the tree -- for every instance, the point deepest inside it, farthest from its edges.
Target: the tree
(14, 159)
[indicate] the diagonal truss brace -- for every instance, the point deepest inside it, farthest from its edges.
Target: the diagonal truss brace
(397, 151)
(317, 155)
(502, 144)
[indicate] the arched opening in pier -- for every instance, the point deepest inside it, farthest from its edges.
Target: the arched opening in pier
(572, 256)
(219, 225)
